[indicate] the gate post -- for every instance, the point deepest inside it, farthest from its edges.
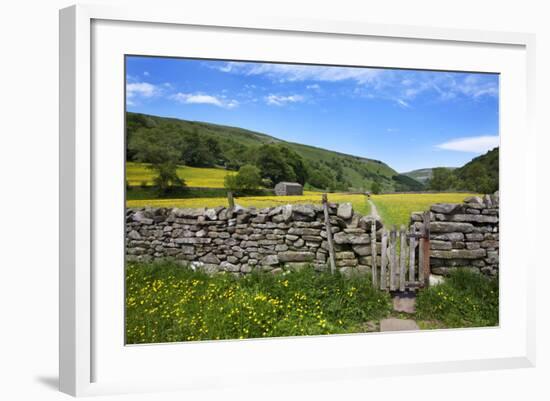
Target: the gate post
(328, 228)
(425, 249)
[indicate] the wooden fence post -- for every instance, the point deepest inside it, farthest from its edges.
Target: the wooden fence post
(230, 200)
(393, 257)
(421, 261)
(425, 250)
(373, 252)
(328, 229)
(403, 259)
(383, 260)
(412, 246)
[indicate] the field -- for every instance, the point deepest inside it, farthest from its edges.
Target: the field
(139, 174)
(166, 302)
(396, 209)
(359, 201)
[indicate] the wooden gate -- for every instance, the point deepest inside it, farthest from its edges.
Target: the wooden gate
(404, 263)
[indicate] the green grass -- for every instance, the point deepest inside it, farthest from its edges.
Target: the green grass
(166, 302)
(396, 209)
(145, 193)
(465, 299)
(139, 173)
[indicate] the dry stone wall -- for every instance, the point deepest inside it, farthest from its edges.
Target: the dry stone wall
(242, 240)
(464, 235)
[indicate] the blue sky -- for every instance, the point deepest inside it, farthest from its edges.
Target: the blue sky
(408, 119)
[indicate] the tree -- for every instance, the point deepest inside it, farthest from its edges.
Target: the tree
(273, 165)
(160, 149)
(376, 188)
(197, 152)
(476, 179)
(155, 146)
(481, 174)
(230, 182)
(442, 179)
(295, 161)
(249, 177)
(320, 176)
(267, 183)
(167, 177)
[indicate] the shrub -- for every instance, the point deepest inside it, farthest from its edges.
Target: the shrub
(465, 299)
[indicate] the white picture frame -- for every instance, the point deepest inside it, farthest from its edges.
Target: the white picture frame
(86, 332)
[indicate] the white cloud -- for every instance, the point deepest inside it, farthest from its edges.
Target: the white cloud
(449, 86)
(475, 144)
(402, 103)
(200, 98)
(146, 73)
(143, 89)
(295, 72)
(278, 100)
(401, 86)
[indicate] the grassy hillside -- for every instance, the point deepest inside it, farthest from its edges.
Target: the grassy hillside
(404, 183)
(481, 174)
(423, 175)
(233, 147)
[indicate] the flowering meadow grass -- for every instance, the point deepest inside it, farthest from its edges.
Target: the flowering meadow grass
(396, 209)
(465, 299)
(166, 302)
(358, 201)
(141, 174)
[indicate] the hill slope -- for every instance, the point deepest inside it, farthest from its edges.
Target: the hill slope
(481, 174)
(233, 147)
(423, 175)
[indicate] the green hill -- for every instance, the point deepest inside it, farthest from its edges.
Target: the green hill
(481, 174)
(423, 175)
(478, 175)
(404, 183)
(200, 144)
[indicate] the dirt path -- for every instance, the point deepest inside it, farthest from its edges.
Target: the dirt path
(373, 210)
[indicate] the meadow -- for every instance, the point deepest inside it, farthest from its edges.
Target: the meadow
(396, 209)
(358, 201)
(139, 174)
(166, 302)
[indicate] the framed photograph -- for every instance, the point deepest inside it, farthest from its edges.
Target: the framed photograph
(285, 199)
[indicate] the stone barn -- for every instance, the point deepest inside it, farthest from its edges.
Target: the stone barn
(288, 188)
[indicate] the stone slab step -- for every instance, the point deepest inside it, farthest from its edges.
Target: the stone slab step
(394, 324)
(404, 302)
